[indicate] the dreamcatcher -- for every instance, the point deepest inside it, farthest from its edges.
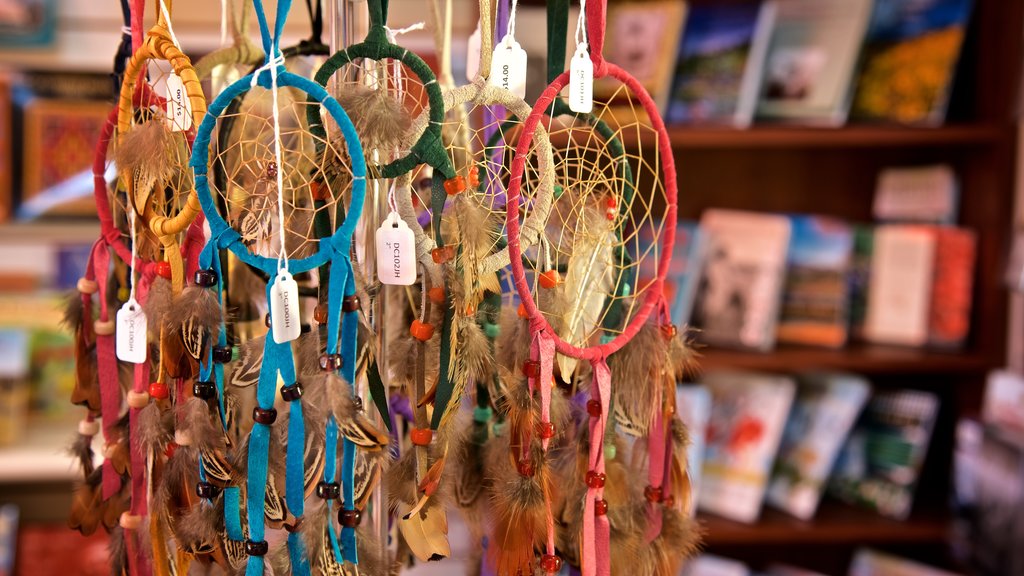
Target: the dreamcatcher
(283, 181)
(222, 65)
(602, 230)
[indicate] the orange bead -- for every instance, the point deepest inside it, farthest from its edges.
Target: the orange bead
(521, 311)
(320, 314)
(456, 185)
(436, 294)
(163, 270)
(442, 254)
(421, 436)
(474, 176)
(550, 278)
(421, 330)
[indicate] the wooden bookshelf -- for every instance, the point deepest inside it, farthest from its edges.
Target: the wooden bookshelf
(834, 524)
(864, 359)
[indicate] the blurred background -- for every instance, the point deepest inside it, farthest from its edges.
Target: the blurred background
(849, 262)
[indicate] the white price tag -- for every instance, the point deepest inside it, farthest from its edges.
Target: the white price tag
(508, 67)
(581, 82)
(130, 340)
(285, 322)
(179, 108)
(473, 55)
(396, 252)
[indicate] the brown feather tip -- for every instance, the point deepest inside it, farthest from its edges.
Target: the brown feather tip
(380, 120)
(158, 305)
(147, 151)
(196, 306)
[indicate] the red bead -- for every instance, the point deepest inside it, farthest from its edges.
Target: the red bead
(550, 278)
(550, 563)
(668, 331)
(611, 202)
(531, 368)
(456, 185)
(595, 479)
(350, 303)
(521, 311)
(594, 408)
(163, 269)
(442, 254)
(421, 331)
(653, 493)
(526, 468)
(546, 430)
(159, 390)
(436, 294)
(421, 436)
(474, 176)
(170, 449)
(600, 507)
(611, 214)
(320, 314)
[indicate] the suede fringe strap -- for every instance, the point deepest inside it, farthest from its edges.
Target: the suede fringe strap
(106, 363)
(595, 557)
(542, 350)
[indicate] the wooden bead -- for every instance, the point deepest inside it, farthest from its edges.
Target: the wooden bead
(206, 490)
(129, 521)
(222, 354)
(546, 430)
(526, 468)
(550, 278)
(594, 408)
(204, 390)
(436, 294)
(653, 493)
(349, 518)
(550, 564)
(291, 393)
(103, 328)
(328, 490)
(531, 368)
(265, 416)
(205, 278)
(159, 390)
(163, 269)
(137, 400)
(88, 427)
(320, 314)
(421, 331)
(421, 436)
(253, 548)
(456, 185)
(595, 479)
(350, 303)
(600, 507)
(331, 362)
(87, 286)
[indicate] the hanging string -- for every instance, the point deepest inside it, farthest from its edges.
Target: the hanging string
(396, 66)
(223, 23)
(512, 19)
(131, 264)
(272, 66)
(167, 20)
(581, 29)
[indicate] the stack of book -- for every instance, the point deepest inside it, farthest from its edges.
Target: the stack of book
(752, 280)
(866, 562)
(818, 62)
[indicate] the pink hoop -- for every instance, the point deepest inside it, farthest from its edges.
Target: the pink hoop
(654, 293)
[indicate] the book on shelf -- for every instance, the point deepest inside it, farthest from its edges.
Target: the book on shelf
(642, 38)
(909, 60)
(712, 565)
(740, 287)
(721, 61)
(684, 271)
(1003, 402)
(881, 461)
(811, 60)
(748, 414)
(693, 405)
(815, 302)
(899, 292)
(952, 287)
(868, 562)
(925, 194)
(824, 411)
(860, 278)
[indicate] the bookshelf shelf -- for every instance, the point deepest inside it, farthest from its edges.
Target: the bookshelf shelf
(863, 359)
(835, 523)
(847, 137)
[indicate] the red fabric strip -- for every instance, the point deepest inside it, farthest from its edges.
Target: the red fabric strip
(596, 557)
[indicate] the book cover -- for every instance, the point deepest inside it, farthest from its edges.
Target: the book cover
(693, 405)
(824, 412)
(815, 303)
(899, 292)
(642, 38)
(811, 60)
(952, 287)
(909, 60)
(721, 60)
(926, 194)
(741, 283)
(860, 277)
(868, 562)
(748, 413)
(881, 461)
(711, 565)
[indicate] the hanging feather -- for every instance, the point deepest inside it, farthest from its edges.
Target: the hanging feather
(158, 305)
(147, 153)
(198, 532)
(380, 119)
(518, 513)
(81, 451)
(640, 362)
(246, 371)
